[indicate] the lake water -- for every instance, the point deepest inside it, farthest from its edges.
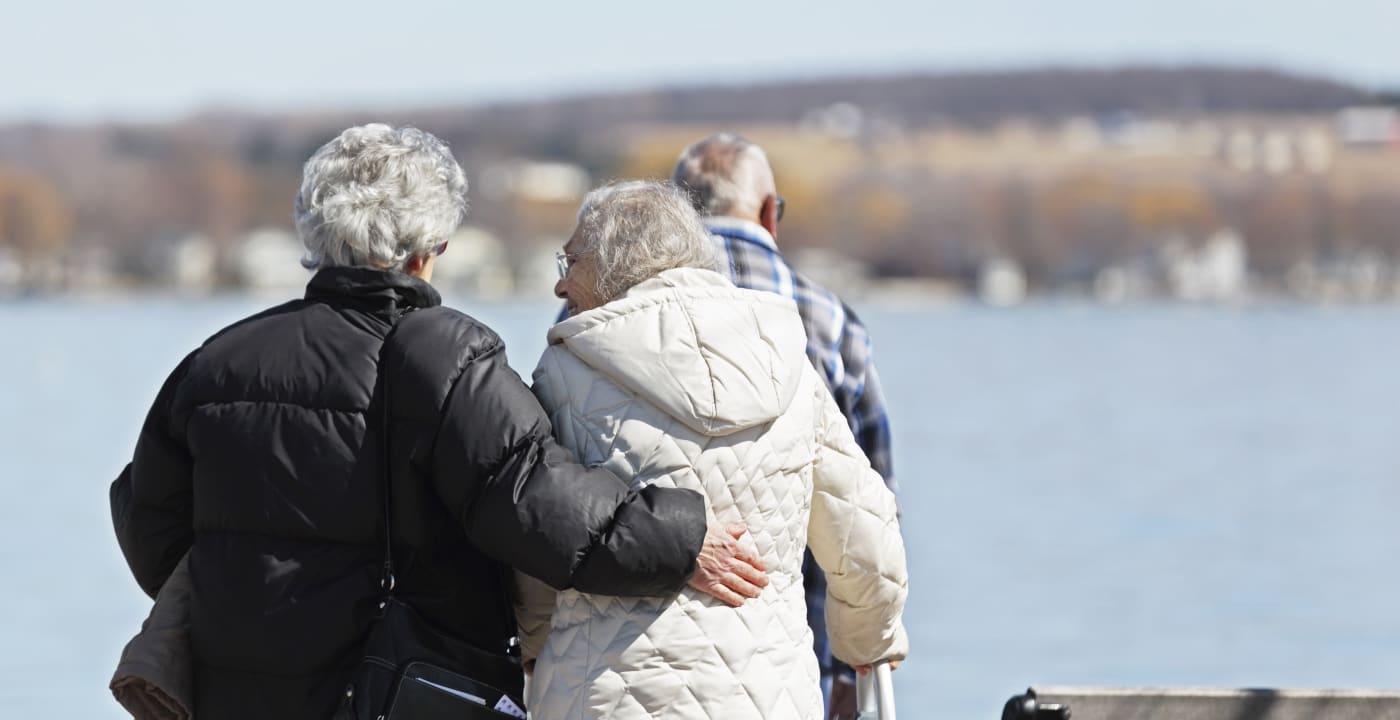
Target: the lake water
(1155, 495)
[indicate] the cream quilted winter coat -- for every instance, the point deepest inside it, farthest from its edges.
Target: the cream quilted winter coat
(688, 381)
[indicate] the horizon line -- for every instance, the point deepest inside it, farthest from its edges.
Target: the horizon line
(427, 102)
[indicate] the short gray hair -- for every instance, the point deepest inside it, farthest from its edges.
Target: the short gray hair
(639, 228)
(725, 174)
(376, 196)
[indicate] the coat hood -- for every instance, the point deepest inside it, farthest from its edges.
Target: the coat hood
(718, 358)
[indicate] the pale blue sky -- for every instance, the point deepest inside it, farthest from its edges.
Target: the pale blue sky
(152, 59)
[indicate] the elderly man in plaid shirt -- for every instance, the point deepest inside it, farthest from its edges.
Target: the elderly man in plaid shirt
(731, 183)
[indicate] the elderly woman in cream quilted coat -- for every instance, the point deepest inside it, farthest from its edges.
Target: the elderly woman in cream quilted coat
(667, 374)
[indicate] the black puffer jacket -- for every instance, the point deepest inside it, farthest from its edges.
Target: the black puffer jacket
(261, 457)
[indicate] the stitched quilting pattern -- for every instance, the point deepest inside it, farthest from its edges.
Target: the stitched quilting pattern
(688, 655)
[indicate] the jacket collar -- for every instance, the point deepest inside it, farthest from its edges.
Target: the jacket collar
(740, 229)
(382, 289)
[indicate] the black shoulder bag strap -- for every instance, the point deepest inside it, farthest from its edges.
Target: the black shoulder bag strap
(387, 580)
(412, 670)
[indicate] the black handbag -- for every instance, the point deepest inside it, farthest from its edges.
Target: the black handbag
(412, 670)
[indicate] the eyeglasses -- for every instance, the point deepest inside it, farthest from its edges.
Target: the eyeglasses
(563, 261)
(782, 205)
(440, 249)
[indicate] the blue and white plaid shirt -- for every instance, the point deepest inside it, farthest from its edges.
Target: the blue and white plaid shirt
(837, 343)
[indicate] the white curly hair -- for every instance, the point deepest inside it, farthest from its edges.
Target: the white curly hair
(377, 196)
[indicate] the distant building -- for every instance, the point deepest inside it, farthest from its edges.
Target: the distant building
(1081, 135)
(1369, 125)
(1241, 150)
(1276, 152)
(1364, 276)
(1124, 283)
(842, 275)
(187, 262)
(192, 263)
(476, 264)
(535, 181)
(1151, 137)
(11, 273)
(1215, 272)
(1203, 138)
(1001, 283)
(1315, 150)
(841, 120)
(270, 259)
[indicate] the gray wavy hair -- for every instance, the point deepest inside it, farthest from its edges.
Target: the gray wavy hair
(638, 229)
(376, 196)
(725, 174)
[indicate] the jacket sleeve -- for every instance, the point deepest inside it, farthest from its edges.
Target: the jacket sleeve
(156, 671)
(526, 501)
(534, 606)
(854, 536)
(152, 497)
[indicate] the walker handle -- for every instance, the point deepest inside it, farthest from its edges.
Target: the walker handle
(875, 694)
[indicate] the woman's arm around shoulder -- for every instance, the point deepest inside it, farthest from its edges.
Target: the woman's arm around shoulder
(527, 502)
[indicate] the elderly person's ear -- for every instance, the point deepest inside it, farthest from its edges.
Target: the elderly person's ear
(768, 213)
(421, 267)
